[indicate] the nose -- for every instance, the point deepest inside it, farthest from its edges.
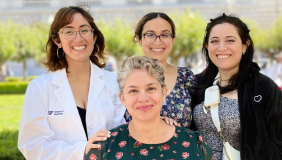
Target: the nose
(143, 97)
(158, 40)
(222, 46)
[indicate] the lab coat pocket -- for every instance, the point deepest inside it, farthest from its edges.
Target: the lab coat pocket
(57, 121)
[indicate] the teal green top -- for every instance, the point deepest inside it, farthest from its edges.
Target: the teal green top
(185, 144)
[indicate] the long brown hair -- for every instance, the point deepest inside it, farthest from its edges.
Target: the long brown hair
(63, 17)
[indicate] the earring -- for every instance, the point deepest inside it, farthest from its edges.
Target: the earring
(58, 52)
(96, 54)
(244, 53)
(63, 53)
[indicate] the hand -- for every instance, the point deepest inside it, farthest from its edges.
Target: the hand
(170, 121)
(101, 135)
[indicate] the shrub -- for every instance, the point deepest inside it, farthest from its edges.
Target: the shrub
(8, 145)
(13, 87)
(12, 79)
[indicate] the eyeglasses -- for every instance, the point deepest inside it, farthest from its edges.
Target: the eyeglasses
(70, 33)
(149, 37)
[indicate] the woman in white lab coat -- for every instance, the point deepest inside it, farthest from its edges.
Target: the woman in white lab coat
(76, 102)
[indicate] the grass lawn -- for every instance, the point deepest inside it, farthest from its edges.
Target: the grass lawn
(10, 111)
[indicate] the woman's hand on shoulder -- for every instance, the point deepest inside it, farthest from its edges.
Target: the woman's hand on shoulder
(101, 135)
(170, 121)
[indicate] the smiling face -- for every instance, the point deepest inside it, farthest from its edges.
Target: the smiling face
(225, 47)
(143, 95)
(80, 48)
(158, 49)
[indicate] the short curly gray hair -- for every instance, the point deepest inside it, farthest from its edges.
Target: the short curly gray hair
(153, 67)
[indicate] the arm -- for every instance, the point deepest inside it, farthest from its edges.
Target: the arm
(118, 118)
(35, 139)
(96, 154)
(203, 148)
(274, 117)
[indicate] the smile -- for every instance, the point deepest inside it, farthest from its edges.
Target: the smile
(223, 56)
(78, 47)
(144, 108)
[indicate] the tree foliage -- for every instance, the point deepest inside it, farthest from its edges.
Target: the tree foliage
(118, 37)
(190, 29)
(7, 47)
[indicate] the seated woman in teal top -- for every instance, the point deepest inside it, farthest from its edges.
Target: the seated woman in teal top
(142, 91)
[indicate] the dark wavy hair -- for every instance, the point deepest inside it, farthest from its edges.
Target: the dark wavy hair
(148, 17)
(63, 17)
(206, 78)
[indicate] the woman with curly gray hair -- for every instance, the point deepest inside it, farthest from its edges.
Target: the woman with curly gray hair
(146, 136)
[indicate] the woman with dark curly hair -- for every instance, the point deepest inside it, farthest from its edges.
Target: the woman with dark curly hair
(235, 105)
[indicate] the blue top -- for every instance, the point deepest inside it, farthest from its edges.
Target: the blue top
(177, 104)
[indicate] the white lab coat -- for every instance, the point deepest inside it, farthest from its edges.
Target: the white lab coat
(50, 126)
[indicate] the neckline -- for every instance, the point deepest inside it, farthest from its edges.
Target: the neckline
(228, 98)
(175, 82)
(141, 143)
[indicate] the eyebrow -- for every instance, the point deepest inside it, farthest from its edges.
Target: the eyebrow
(150, 84)
(79, 26)
(154, 31)
(225, 37)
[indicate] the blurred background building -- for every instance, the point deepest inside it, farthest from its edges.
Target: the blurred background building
(32, 11)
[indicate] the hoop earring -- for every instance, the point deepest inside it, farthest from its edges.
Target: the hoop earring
(58, 52)
(96, 54)
(63, 53)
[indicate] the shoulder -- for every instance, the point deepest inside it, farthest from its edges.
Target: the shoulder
(110, 80)
(187, 76)
(265, 83)
(186, 131)
(42, 80)
(115, 131)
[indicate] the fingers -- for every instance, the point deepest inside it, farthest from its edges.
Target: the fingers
(167, 120)
(176, 124)
(170, 121)
(101, 135)
(95, 146)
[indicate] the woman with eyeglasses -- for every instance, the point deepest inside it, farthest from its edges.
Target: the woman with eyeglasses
(76, 102)
(155, 33)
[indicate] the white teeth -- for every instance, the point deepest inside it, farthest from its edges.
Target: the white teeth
(223, 56)
(157, 50)
(79, 47)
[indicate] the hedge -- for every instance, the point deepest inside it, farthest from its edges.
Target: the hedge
(13, 87)
(8, 146)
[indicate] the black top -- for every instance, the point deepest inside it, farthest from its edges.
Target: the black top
(82, 114)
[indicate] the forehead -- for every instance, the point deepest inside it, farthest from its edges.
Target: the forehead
(77, 21)
(157, 24)
(223, 30)
(140, 77)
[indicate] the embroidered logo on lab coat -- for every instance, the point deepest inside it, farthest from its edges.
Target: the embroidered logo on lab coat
(56, 113)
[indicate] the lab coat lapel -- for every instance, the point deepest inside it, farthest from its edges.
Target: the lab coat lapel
(96, 86)
(65, 97)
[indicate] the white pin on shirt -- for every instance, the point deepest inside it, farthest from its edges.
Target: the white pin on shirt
(257, 98)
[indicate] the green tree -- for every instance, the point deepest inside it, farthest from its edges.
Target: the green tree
(118, 37)
(7, 48)
(27, 44)
(190, 29)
